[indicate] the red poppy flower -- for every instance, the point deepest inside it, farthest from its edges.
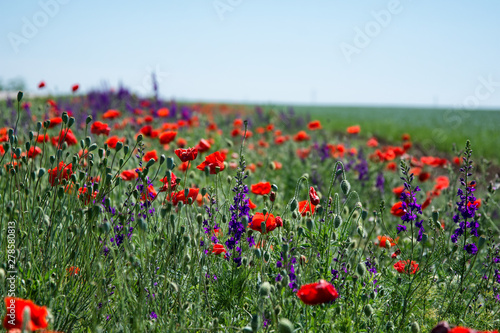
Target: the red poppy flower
(424, 176)
(128, 175)
(55, 121)
(34, 152)
(185, 155)
(63, 171)
(75, 87)
(150, 155)
(313, 196)
(405, 137)
(477, 203)
(148, 119)
(353, 129)
(167, 137)
(261, 188)
(442, 182)
(149, 193)
(372, 142)
(112, 141)
(400, 266)
(391, 166)
(181, 143)
(213, 161)
(314, 125)
(15, 312)
(317, 293)
(301, 136)
(303, 153)
(203, 146)
(41, 85)
(456, 161)
(383, 239)
(398, 191)
(163, 112)
(218, 249)
(305, 206)
(280, 140)
(180, 196)
(397, 209)
(166, 185)
(251, 204)
(65, 136)
(257, 220)
(407, 145)
(100, 128)
(111, 114)
(42, 138)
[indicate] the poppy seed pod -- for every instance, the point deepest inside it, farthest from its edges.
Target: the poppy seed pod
(345, 186)
(368, 310)
(285, 326)
(265, 289)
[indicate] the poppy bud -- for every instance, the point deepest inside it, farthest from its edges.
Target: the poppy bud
(186, 238)
(229, 179)
(267, 256)
(364, 214)
(150, 163)
(310, 224)
(361, 269)
(481, 241)
(19, 96)
(435, 216)
(272, 196)
(293, 205)
(274, 187)
(265, 289)
(285, 326)
(279, 221)
(285, 247)
(319, 209)
(415, 327)
(337, 221)
(88, 120)
(295, 215)
(257, 253)
(345, 186)
(301, 231)
(41, 172)
(71, 121)
(313, 196)
(361, 231)
(368, 310)
(139, 138)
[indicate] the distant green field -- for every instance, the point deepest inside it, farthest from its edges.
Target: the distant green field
(432, 129)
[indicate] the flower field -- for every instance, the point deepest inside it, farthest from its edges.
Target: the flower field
(128, 214)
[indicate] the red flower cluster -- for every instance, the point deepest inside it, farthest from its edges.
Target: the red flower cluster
(400, 266)
(100, 128)
(56, 175)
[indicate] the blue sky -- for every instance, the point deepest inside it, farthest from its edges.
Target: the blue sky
(425, 52)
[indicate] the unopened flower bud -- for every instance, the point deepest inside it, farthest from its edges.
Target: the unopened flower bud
(345, 186)
(285, 326)
(368, 310)
(415, 327)
(265, 289)
(272, 196)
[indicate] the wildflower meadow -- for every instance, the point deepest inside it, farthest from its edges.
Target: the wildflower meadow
(121, 213)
